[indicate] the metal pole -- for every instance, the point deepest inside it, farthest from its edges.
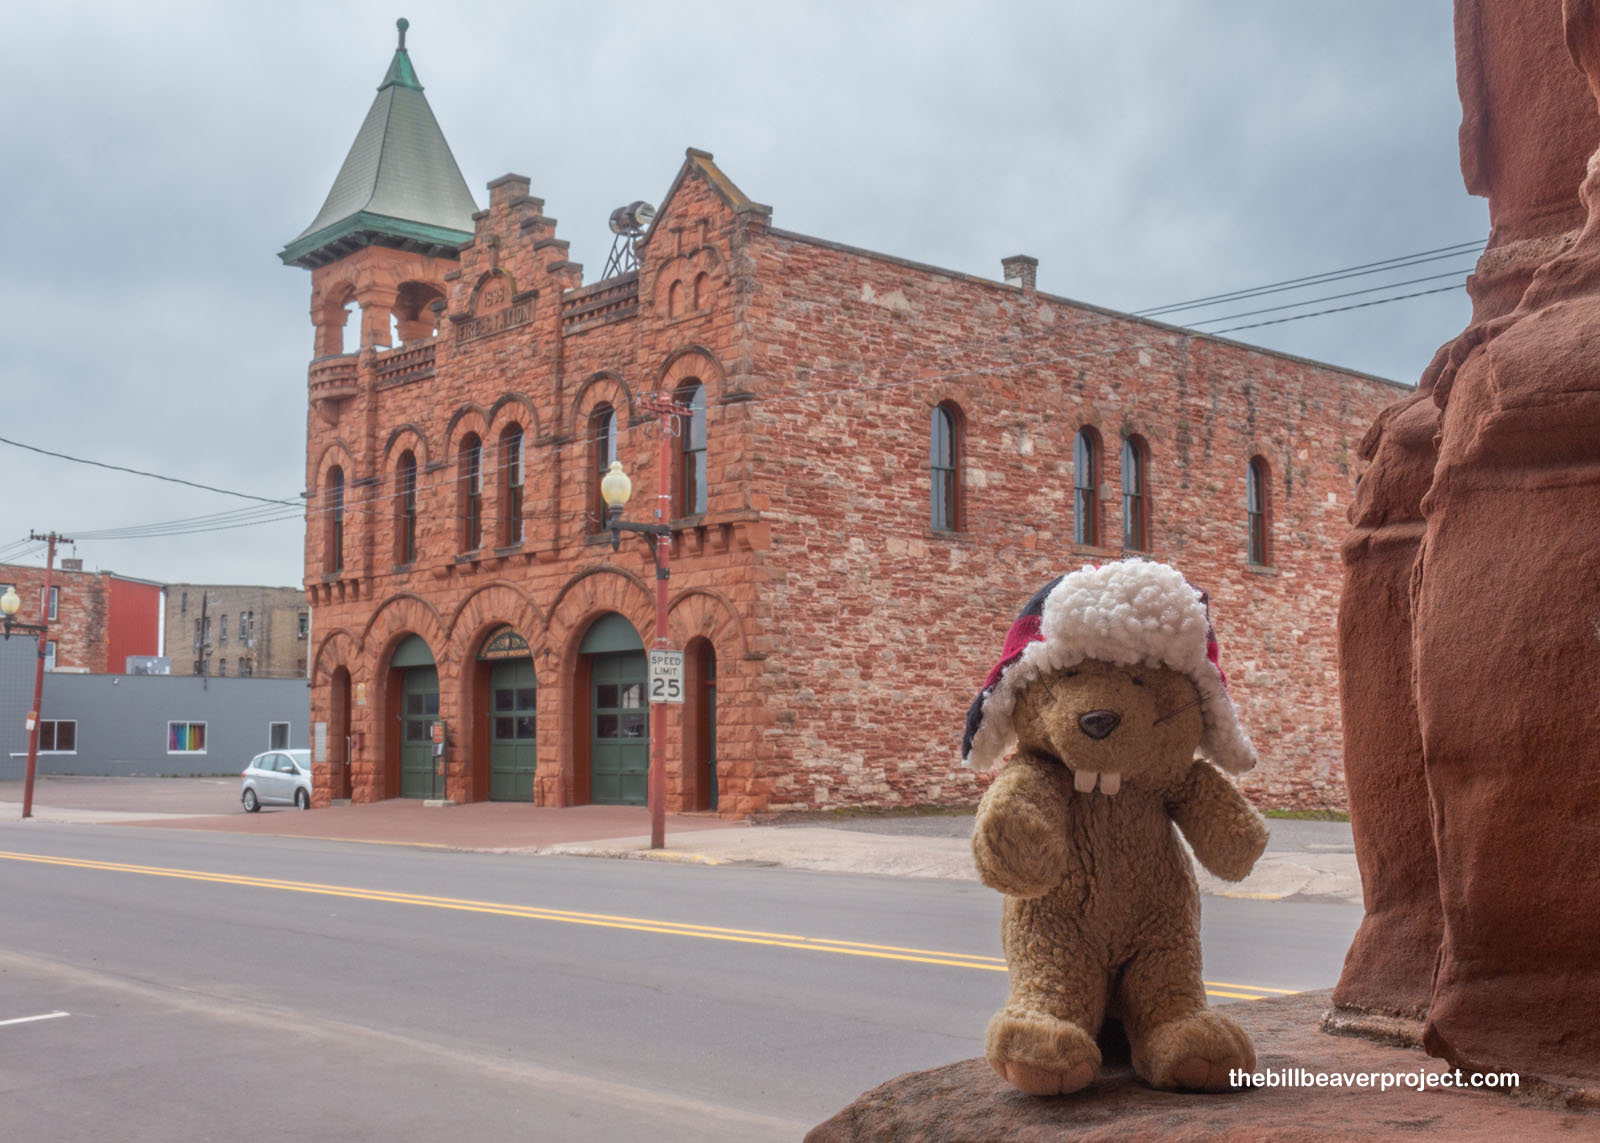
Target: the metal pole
(38, 677)
(658, 710)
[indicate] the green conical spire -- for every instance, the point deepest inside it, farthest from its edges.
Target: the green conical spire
(401, 73)
(399, 185)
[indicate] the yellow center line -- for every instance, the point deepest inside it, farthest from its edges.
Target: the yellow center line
(573, 917)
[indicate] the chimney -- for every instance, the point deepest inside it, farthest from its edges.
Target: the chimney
(1021, 270)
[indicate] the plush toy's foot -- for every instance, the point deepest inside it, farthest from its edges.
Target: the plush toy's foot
(1041, 1055)
(1195, 1053)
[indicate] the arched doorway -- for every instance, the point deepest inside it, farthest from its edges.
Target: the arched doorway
(700, 725)
(415, 684)
(506, 666)
(618, 730)
(339, 755)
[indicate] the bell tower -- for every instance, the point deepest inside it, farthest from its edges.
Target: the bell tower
(391, 226)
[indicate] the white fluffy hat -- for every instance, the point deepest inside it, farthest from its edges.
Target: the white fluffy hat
(1131, 611)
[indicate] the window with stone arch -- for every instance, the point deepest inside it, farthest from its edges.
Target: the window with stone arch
(512, 477)
(405, 509)
(1085, 479)
(945, 445)
(1258, 511)
(333, 551)
(1135, 494)
(691, 491)
(602, 437)
(469, 495)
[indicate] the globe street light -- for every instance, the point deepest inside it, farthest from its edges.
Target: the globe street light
(615, 488)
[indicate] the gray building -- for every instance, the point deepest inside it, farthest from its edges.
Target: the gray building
(144, 724)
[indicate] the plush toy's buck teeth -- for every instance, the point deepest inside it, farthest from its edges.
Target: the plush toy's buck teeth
(1084, 781)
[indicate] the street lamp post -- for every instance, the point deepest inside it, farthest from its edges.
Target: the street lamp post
(615, 488)
(10, 604)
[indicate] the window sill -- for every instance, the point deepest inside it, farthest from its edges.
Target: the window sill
(1262, 569)
(509, 550)
(947, 535)
(470, 557)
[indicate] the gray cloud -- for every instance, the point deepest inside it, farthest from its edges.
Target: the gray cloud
(161, 154)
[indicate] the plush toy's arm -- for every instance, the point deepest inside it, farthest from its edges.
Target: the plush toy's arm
(1019, 840)
(1226, 834)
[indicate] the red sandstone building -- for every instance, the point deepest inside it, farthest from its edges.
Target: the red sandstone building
(883, 461)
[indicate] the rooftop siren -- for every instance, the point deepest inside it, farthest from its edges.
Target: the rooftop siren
(627, 223)
(632, 219)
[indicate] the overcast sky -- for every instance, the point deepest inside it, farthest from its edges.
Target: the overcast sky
(157, 157)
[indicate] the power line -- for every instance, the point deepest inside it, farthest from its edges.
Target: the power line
(1397, 263)
(1334, 298)
(1342, 309)
(140, 472)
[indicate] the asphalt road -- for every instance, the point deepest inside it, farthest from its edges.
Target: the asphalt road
(220, 986)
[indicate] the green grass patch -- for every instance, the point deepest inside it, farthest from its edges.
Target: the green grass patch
(1309, 815)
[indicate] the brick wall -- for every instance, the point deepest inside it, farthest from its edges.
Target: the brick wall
(889, 626)
(79, 629)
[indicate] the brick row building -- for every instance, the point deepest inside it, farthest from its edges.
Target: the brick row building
(246, 630)
(880, 462)
(97, 619)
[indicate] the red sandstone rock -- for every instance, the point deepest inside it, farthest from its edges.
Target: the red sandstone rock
(1527, 128)
(968, 1103)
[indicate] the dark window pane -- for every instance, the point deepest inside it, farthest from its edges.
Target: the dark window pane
(605, 696)
(605, 726)
(632, 726)
(47, 735)
(66, 736)
(524, 698)
(430, 703)
(525, 726)
(502, 727)
(503, 700)
(413, 704)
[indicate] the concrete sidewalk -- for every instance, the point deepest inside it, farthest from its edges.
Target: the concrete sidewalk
(1304, 860)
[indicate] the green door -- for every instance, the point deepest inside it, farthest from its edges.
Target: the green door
(511, 731)
(419, 710)
(619, 744)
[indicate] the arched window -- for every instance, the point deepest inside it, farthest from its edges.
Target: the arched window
(1085, 477)
(692, 469)
(1135, 496)
(602, 451)
(334, 557)
(511, 480)
(405, 509)
(470, 499)
(1256, 507)
(944, 453)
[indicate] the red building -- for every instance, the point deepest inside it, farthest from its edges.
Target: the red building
(97, 619)
(883, 461)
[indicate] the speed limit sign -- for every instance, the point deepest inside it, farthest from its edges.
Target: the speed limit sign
(666, 676)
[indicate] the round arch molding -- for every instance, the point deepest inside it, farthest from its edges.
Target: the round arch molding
(400, 615)
(700, 613)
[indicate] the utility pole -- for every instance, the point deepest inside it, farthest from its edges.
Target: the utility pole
(38, 671)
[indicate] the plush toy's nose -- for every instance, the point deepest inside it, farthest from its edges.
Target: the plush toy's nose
(1098, 723)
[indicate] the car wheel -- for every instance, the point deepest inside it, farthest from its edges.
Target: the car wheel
(251, 802)
(302, 800)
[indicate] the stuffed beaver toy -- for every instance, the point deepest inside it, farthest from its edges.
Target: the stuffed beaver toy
(1109, 686)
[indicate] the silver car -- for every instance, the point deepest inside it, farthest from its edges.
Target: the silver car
(277, 778)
